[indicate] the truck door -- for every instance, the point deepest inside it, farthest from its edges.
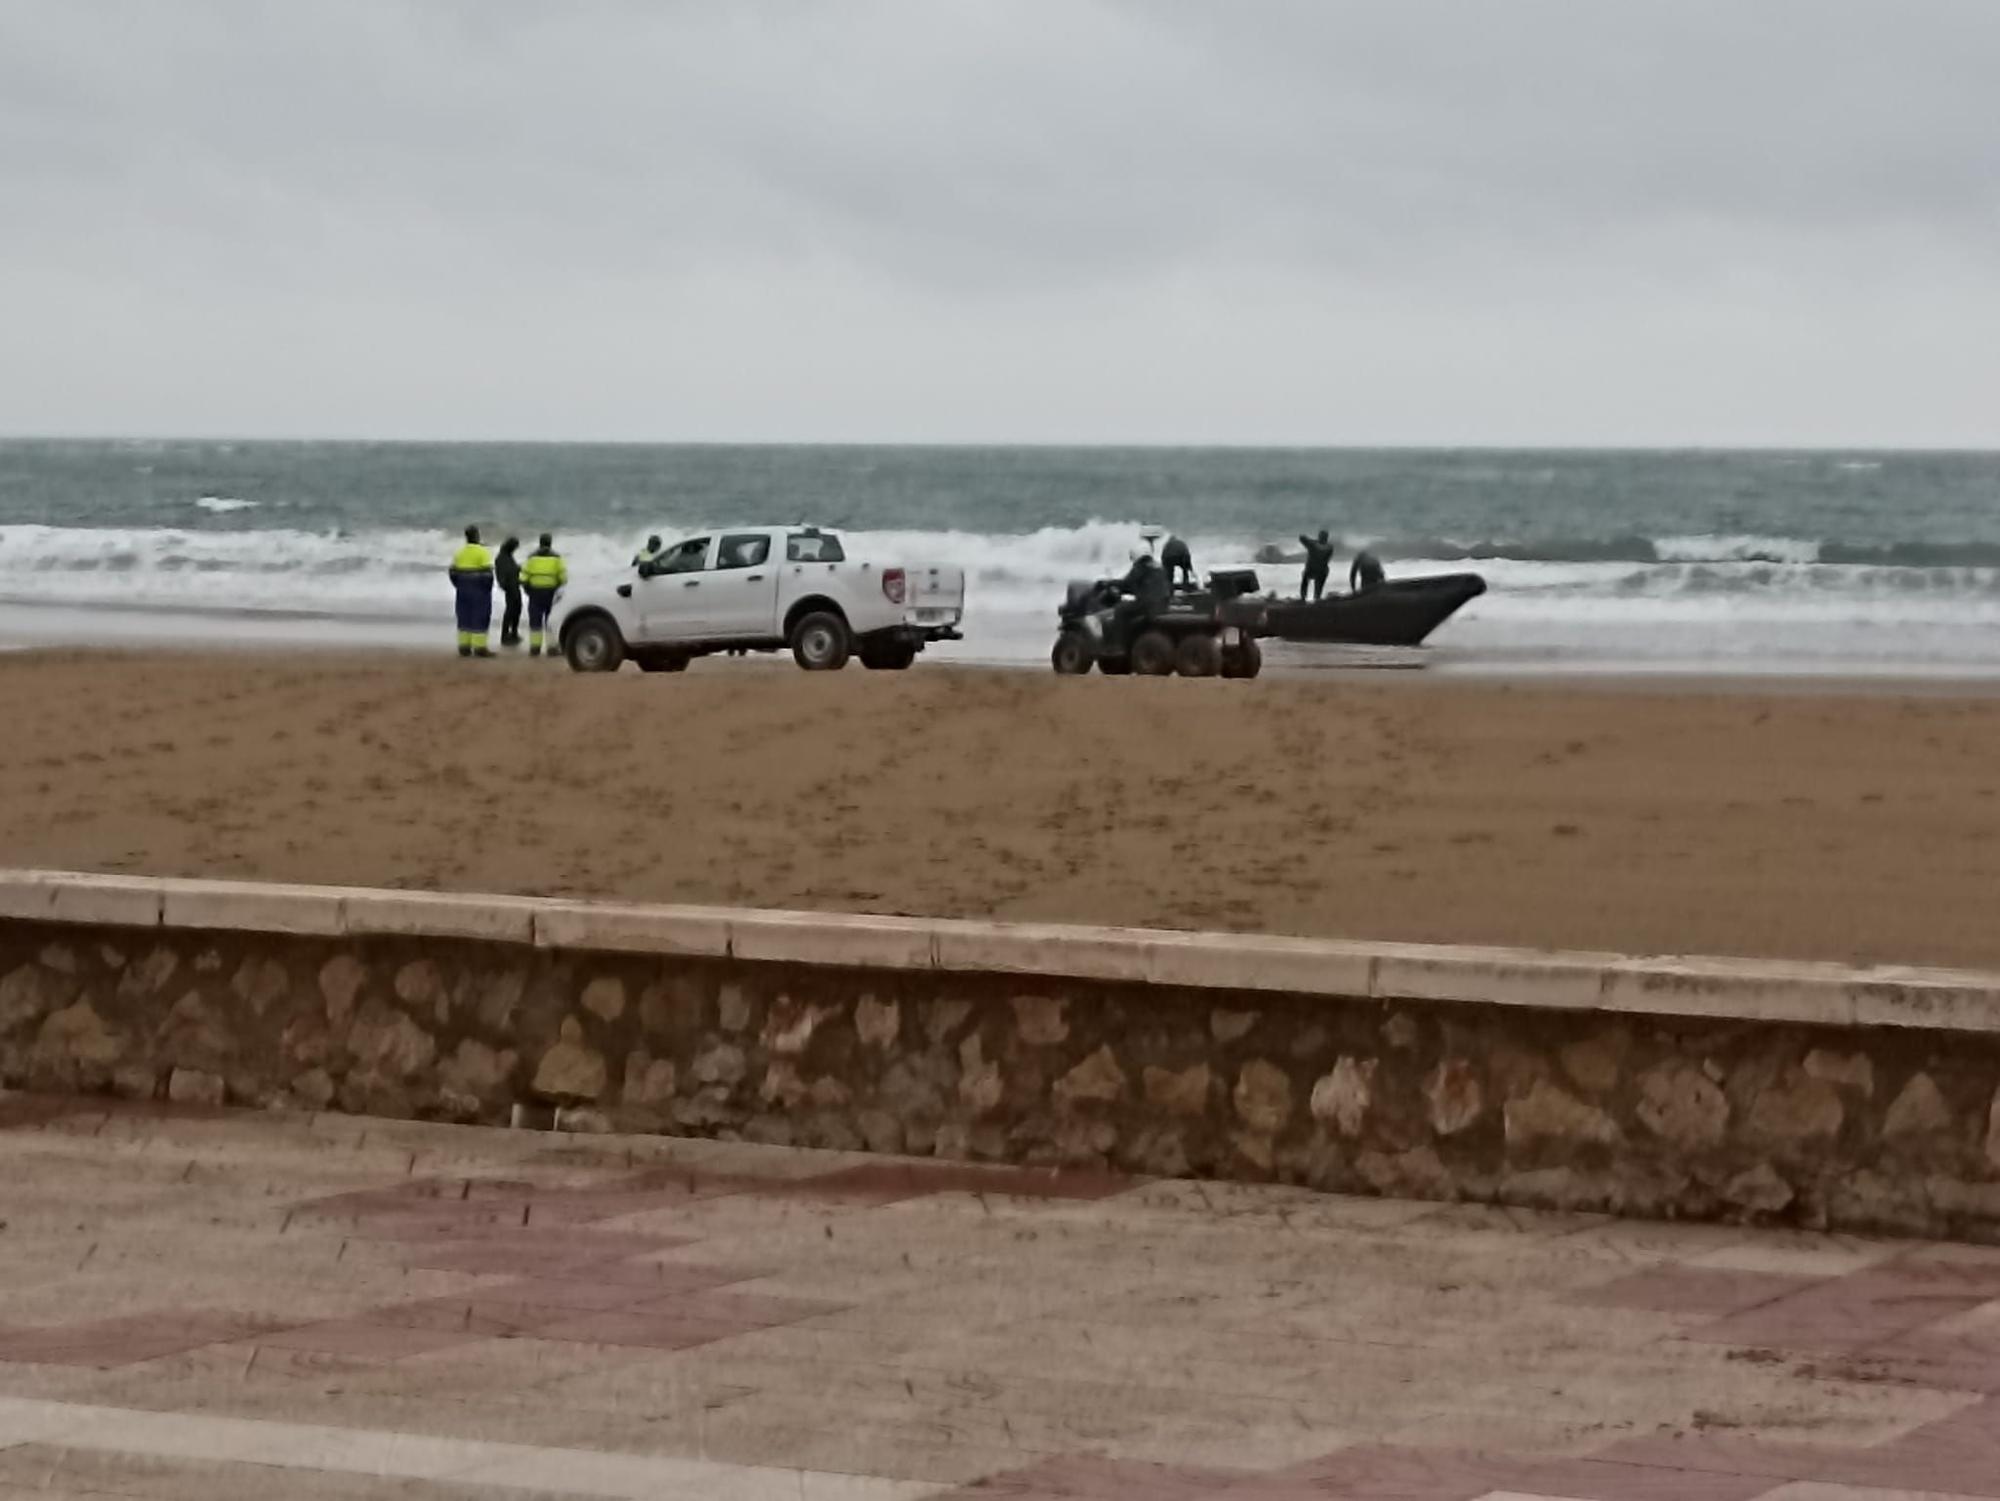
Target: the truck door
(671, 596)
(742, 598)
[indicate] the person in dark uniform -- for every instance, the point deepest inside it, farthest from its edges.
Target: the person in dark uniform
(472, 583)
(1178, 562)
(1144, 590)
(507, 574)
(1319, 562)
(543, 575)
(1366, 572)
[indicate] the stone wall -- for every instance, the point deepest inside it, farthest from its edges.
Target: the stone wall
(1568, 1106)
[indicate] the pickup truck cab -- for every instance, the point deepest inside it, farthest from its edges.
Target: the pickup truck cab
(762, 588)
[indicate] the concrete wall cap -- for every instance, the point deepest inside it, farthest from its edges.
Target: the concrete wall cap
(1082, 953)
(438, 914)
(257, 907)
(116, 901)
(853, 940)
(701, 932)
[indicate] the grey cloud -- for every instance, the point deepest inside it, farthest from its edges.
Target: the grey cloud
(1405, 182)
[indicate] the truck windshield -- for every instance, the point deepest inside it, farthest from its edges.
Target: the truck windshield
(812, 547)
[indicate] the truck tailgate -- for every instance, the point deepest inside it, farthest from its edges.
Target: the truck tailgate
(936, 595)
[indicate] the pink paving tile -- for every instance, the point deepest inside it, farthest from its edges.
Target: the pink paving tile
(765, 1310)
(556, 1255)
(1600, 1480)
(1383, 1472)
(1090, 1478)
(1708, 1292)
(1929, 1357)
(655, 1331)
(496, 1318)
(579, 1294)
(1728, 1454)
(373, 1343)
(889, 1182)
(1848, 1313)
(110, 1343)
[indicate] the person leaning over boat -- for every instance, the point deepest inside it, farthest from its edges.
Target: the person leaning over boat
(472, 582)
(1319, 562)
(1365, 573)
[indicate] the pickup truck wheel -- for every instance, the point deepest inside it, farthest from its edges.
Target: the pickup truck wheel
(1246, 661)
(1073, 654)
(1152, 654)
(1200, 656)
(887, 656)
(819, 642)
(594, 646)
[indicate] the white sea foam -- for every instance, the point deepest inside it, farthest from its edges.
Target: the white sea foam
(1718, 598)
(222, 505)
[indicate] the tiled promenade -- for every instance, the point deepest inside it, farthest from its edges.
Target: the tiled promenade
(242, 1306)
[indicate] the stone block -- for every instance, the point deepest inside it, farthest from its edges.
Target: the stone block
(1098, 1078)
(1454, 1096)
(877, 1022)
(844, 940)
(1263, 1097)
(1549, 1113)
(1341, 1098)
(572, 1069)
(1182, 1092)
(1490, 976)
(438, 914)
(250, 907)
(193, 1086)
(112, 901)
(1919, 1109)
(606, 927)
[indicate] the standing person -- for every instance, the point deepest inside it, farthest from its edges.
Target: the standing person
(472, 581)
(1178, 561)
(1319, 560)
(1366, 573)
(542, 575)
(507, 574)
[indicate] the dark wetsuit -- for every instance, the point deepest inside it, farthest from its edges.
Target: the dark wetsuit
(507, 574)
(1319, 561)
(1178, 562)
(1365, 574)
(1143, 591)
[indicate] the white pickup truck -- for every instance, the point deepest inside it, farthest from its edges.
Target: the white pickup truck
(761, 588)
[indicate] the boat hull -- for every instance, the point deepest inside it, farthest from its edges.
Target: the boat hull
(1401, 612)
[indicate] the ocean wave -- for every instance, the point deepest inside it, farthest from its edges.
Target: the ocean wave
(224, 505)
(401, 572)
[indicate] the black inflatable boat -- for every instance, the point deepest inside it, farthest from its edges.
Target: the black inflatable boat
(1400, 612)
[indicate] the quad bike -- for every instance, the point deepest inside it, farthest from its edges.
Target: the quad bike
(1197, 633)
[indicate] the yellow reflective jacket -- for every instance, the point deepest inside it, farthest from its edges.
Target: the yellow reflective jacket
(470, 561)
(544, 570)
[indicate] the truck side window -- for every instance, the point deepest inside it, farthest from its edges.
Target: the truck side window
(809, 547)
(688, 557)
(747, 551)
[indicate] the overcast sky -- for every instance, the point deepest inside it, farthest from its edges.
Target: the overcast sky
(1332, 221)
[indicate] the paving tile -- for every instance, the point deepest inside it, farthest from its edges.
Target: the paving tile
(1380, 1472)
(657, 1331)
(1698, 1292)
(1849, 1313)
(570, 1256)
(752, 1310)
(1087, 1478)
(357, 1340)
(109, 1343)
(1600, 1480)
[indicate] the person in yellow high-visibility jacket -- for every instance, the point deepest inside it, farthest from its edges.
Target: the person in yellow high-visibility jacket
(542, 575)
(472, 581)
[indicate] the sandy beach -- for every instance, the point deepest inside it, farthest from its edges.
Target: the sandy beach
(1802, 821)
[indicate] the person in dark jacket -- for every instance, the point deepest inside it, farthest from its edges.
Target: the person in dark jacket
(1366, 572)
(507, 574)
(1319, 562)
(1178, 561)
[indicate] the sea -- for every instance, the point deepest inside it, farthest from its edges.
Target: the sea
(1783, 563)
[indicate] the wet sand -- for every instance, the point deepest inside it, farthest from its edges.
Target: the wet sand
(1804, 821)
